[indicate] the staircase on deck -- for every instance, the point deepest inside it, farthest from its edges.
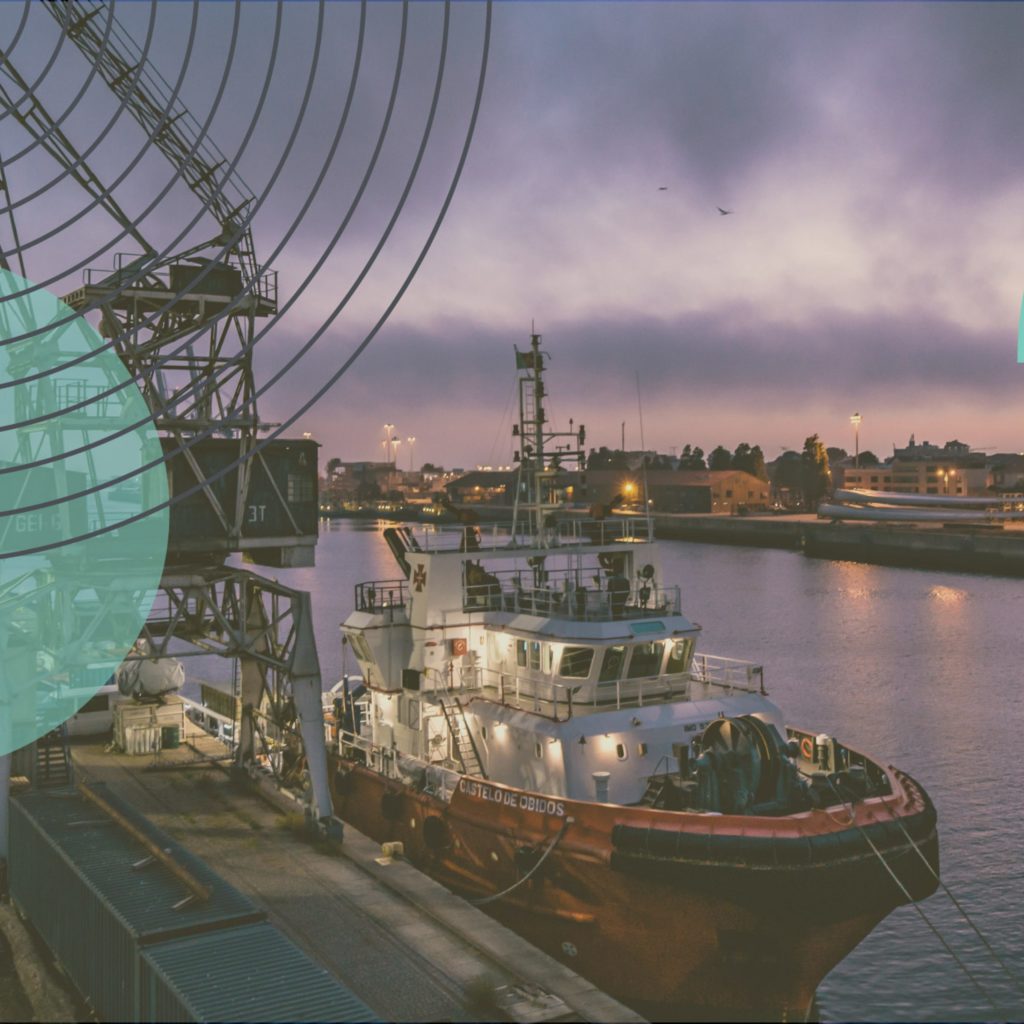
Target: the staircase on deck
(463, 745)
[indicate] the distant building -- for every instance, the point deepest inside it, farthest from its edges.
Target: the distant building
(926, 468)
(1006, 472)
(483, 487)
(725, 491)
(349, 480)
(868, 478)
(721, 491)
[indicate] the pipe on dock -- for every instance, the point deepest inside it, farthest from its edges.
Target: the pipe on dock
(200, 891)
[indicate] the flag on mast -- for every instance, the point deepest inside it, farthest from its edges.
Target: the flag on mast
(524, 360)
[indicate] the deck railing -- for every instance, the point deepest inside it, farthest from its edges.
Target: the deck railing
(560, 699)
(436, 779)
(566, 532)
(380, 595)
(560, 596)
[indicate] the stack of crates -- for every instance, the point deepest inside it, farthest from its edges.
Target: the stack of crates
(141, 728)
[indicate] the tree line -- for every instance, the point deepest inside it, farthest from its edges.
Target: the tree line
(746, 457)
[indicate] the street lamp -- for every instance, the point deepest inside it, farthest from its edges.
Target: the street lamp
(412, 441)
(855, 420)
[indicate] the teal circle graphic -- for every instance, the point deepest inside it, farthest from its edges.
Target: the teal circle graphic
(70, 614)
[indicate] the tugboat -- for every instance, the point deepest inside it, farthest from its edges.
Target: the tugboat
(538, 729)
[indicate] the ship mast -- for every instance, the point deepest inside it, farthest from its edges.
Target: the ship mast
(538, 468)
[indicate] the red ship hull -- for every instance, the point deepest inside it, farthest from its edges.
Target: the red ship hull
(667, 911)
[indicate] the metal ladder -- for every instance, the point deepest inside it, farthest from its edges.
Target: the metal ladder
(463, 744)
(53, 760)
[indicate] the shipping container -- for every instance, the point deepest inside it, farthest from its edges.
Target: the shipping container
(277, 521)
(97, 899)
(246, 974)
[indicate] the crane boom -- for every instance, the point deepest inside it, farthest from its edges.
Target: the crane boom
(44, 129)
(166, 120)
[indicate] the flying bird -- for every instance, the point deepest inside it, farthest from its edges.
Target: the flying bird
(724, 213)
(663, 188)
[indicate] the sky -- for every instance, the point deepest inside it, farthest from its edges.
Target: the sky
(870, 153)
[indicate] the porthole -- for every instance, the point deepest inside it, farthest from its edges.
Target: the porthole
(620, 751)
(538, 751)
(641, 749)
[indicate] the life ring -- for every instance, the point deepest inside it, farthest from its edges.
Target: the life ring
(807, 748)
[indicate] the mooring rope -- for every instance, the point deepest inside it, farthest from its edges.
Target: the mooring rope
(924, 917)
(1015, 981)
(543, 857)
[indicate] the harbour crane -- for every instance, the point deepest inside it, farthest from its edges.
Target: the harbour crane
(184, 326)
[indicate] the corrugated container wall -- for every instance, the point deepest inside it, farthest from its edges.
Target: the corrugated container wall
(71, 873)
(246, 974)
(282, 504)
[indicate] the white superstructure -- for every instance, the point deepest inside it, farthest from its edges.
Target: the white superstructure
(549, 654)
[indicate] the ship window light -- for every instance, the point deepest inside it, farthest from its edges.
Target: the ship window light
(620, 751)
(611, 667)
(521, 653)
(576, 662)
(535, 654)
(641, 749)
(679, 656)
(646, 660)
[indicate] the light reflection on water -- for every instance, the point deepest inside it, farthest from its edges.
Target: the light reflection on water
(916, 668)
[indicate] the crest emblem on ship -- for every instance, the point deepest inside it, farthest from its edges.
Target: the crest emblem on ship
(545, 737)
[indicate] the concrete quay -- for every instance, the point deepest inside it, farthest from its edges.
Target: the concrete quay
(959, 547)
(406, 946)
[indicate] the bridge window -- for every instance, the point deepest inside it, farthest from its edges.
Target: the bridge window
(535, 655)
(521, 653)
(646, 659)
(611, 667)
(576, 662)
(359, 645)
(679, 654)
(300, 488)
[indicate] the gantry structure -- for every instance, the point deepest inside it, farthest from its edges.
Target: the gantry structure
(184, 325)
